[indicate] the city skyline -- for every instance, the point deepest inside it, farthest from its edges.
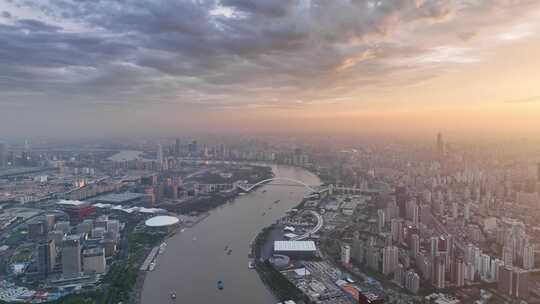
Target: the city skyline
(75, 68)
(269, 151)
(197, 220)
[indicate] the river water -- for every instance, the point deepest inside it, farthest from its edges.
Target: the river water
(195, 259)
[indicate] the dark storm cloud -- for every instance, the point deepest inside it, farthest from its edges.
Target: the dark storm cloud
(36, 26)
(262, 7)
(211, 52)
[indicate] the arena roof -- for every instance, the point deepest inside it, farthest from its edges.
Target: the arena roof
(306, 246)
(118, 198)
(161, 221)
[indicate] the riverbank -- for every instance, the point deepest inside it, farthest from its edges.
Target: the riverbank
(280, 287)
(194, 266)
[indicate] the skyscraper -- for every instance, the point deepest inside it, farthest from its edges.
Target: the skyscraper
(46, 257)
(440, 145)
(399, 274)
(177, 148)
(415, 245)
(372, 257)
(496, 265)
(459, 272)
(390, 259)
(513, 282)
(346, 254)
(528, 256)
(392, 210)
(505, 280)
(439, 278)
(396, 228)
(467, 211)
(160, 156)
(507, 256)
(520, 284)
(193, 148)
(434, 242)
(37, 230)
(412, 281)
(357, 250)
(3, 154)
(71, 256)
(469, 253)
(411, 211)
(380, 219)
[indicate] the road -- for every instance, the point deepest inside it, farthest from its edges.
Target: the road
(320, 223)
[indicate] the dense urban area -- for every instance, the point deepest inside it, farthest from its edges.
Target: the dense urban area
(439, 222)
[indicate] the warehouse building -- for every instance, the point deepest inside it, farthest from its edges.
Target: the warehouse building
(296, 249)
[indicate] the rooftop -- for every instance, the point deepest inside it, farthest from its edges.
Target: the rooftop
(294, 246)
(119, 198)
(98, 251)
(71, 203)
(162, 221)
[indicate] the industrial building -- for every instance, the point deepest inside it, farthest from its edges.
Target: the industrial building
(296, 249)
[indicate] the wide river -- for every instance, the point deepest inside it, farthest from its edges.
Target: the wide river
(195, 259)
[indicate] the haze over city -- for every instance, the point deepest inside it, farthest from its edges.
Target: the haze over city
(80, 68)
(270, 151)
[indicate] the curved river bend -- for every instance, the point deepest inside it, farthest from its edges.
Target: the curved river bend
(195, 259)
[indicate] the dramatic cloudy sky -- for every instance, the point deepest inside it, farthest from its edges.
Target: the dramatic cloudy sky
(99, 65)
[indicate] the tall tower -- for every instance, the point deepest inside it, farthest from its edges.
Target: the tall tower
(415, 245)
(390, 259)
(380, 220)
(528, 256)
(459, 272)
(440, 145)
(160, 156)
(177, 147)
(71, 257)
(345, 254)
(440, 266)
(3, 154)
(46, 253)
(538, 177)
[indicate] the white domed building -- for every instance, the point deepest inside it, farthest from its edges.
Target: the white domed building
(162, 223)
